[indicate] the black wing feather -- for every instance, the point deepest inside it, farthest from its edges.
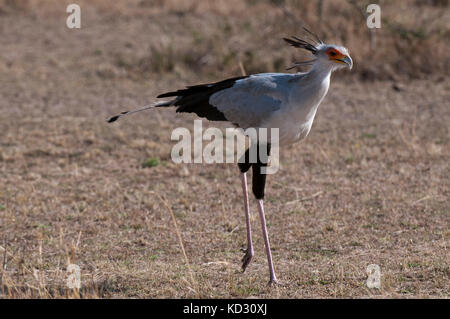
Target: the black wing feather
(195, 99)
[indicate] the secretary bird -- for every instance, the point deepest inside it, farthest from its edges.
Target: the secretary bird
(284, 101)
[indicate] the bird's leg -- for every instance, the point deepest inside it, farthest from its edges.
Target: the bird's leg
(258, 186)
(244, 165)
(249, 252)
(273, 277)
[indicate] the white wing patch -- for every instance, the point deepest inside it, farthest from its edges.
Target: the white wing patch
(252, 100)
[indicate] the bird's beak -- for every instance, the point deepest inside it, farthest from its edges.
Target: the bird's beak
(344, 59)
(348, 60)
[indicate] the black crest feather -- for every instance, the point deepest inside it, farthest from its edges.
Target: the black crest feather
(302, 44)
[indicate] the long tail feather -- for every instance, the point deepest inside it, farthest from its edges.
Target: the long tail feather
(116, 117)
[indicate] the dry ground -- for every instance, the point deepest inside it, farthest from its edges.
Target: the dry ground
(370, 185)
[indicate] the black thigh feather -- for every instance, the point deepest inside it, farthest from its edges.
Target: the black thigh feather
(258, 178)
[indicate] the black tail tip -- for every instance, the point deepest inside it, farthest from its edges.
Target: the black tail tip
(113, 119)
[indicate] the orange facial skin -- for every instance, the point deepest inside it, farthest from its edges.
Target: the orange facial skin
(335, 55)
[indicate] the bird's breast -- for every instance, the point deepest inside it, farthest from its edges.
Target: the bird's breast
(295, 117)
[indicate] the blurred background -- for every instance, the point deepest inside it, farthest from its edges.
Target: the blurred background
(369, 185)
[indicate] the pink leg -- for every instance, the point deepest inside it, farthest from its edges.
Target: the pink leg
(273, 278)
(249, 251)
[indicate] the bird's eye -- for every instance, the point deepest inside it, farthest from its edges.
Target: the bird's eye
(332, 53)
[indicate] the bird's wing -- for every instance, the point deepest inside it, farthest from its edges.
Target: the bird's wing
(195, 99)
(252, 100)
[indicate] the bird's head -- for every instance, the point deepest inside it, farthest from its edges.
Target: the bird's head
(335, 56)
(326, 55)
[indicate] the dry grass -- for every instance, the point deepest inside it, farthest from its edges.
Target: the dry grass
(369, 185)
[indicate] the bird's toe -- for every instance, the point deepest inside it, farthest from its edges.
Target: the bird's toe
(276, 283)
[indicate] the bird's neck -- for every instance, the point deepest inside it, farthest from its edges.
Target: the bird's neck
(320, 71)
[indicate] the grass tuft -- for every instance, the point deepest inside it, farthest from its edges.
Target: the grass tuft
(151, 162)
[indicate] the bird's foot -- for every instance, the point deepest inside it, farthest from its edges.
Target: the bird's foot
(247, 257)
(274, 282)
